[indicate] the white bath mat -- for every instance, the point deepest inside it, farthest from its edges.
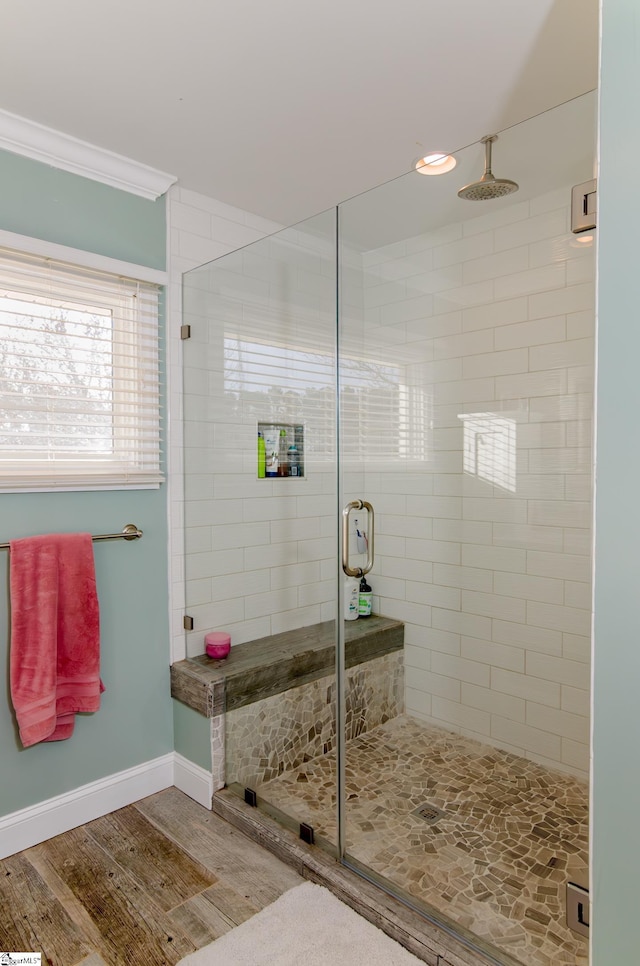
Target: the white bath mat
(306, 925)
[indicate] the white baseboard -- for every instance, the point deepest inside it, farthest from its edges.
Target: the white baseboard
(194, 781)
(29, 826)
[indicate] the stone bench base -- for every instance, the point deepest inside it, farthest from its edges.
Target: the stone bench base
(271, 703)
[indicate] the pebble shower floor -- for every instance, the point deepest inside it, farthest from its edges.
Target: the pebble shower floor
(512, 835)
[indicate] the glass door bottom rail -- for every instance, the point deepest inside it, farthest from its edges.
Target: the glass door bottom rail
(484, 837)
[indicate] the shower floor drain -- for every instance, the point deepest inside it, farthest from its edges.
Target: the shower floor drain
(430, 813)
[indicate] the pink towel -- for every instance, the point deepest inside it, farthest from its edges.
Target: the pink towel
(55, 634)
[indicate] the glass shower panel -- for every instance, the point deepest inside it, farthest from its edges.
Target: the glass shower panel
(466, 378)
(260, 503)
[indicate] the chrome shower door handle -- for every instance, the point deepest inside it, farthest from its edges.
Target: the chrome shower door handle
(357, 571)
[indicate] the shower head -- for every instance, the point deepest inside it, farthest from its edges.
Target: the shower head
(487, 187)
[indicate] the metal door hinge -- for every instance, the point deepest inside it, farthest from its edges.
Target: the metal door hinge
(578, 908)
(185, 332)
(306, 833)
(187, 623)
(584, 206)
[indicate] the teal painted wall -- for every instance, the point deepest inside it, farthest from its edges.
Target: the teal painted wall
(135, 721)
(192, 735)
(616, 719)
(38, 200)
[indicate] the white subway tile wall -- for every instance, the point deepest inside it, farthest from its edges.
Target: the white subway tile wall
(466, 414)
(262, 350)
(199, 229)
(496, 367)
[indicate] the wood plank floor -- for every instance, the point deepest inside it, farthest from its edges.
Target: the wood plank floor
(143, 886)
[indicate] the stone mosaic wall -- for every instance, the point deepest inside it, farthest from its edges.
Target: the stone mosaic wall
(279, 733)
(217, 751)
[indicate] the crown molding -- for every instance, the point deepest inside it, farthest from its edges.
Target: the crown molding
(32, 140)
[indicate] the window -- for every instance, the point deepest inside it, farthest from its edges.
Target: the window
(384, 414)
(79, 382)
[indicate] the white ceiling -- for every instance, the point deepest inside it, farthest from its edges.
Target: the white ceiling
(286, 107)
(556, 149)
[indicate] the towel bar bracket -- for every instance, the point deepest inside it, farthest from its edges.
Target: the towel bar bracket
(130, 532)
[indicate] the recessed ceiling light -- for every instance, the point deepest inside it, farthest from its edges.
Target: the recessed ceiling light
(435, 164)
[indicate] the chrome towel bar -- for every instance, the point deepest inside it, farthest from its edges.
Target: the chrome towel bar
(130, 532)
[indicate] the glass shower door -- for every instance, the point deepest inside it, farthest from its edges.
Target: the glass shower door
(260, 503)
(466, 377)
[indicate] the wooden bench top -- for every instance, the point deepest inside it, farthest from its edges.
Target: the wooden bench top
(271, 665)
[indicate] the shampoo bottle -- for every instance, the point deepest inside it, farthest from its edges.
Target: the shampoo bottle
(351, 588)
(283, 465)
(294, 461)
(262, 457)
(364, 599)
(271, 440)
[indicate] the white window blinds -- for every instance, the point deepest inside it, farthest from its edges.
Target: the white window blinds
(79, 377)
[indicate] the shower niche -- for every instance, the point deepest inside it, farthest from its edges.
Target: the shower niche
(280, 450)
